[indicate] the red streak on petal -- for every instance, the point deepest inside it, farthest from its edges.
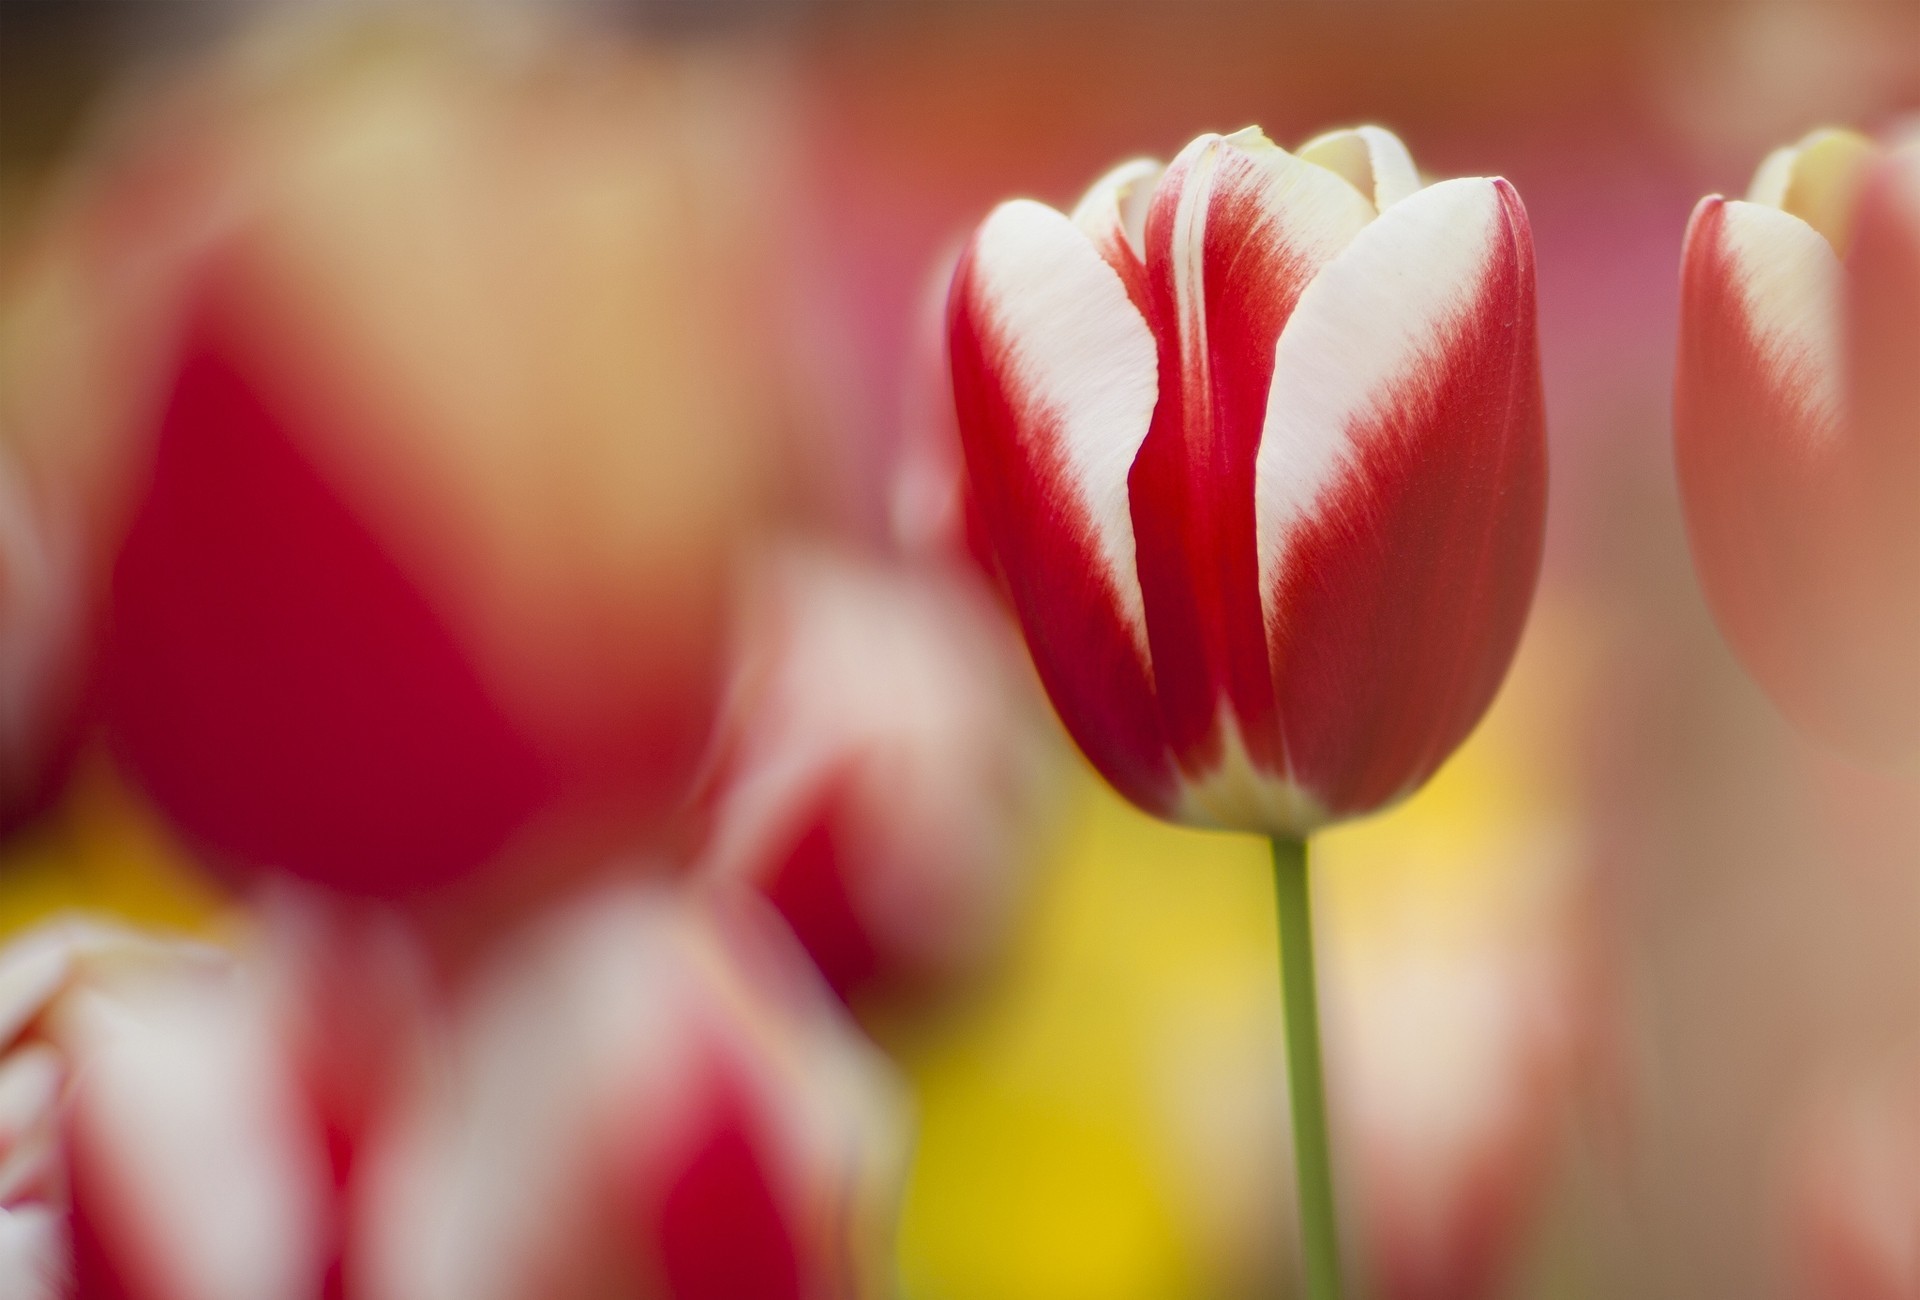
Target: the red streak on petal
(1406, 593)
(1192, 485)
(1045, 548)
(722, 1233)
(279, 686)
(811, 889)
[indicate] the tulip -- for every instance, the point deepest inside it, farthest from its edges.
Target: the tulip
(1455, 1058)
(931, 509)
(39, 640)
(63, 991)
(435, 454)
(649, 1094)
(882, 782)
(1257, 441)
(1797, 433)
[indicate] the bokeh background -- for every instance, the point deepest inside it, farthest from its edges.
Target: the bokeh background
(1592, 994)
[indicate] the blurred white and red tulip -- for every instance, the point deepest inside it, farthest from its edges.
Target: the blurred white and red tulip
(1853, 1191)
(930, 500)
(52, 981)
(1797, 433)
(41, 676)
(1257, 440)
(883, 777)
(446, 407)
(650, 1094)
(1453, 1056)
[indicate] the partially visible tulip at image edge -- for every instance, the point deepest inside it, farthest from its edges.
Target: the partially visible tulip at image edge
(1257, 441)
(1797, 433)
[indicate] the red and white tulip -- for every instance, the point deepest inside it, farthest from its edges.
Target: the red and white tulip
(73, 1063)
(41, 616)
(1797, 433)
(883, 778)
(1257, 439)
(430, 445)
(650, 1095)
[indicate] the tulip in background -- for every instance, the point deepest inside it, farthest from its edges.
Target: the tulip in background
(39, 635)
(651, 1094)
(1797, 433)
(647, 1089)
(882, 779)
(440, 405)
(53, 983)
(1257, 440)
(1455, 1026)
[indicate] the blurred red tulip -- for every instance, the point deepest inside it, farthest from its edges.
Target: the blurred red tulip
(647, 1097)
(455, 422)
(931, 503)
(203, 1114)
(883, 782)
(1258, 443)
(1797, 433)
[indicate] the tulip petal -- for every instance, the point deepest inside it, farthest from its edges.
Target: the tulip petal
(1114, 216)
(1400, 492)
(1055, 382)
(194, 1172)
(1237, 230)
(1372, 158)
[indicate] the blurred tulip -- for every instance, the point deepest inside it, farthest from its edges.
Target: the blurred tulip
(931, 503)
(456, 419)
(40, 636)
(48, 978)
(882, 782)
(1258, 443)
(1454, 1060)
(1854, 1189)
(1797, 433)
(648, 1097)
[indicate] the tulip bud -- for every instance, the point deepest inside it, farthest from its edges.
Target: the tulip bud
(647, 1097)
(882, 781)
(1797, 433)
(426, 494)
(1257, 439)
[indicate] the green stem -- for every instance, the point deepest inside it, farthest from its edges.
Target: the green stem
(1313, 1164)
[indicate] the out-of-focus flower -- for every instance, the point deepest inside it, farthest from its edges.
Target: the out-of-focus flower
(441, 424)
(204, 1112)
(1854, 1193)
(51, 981)
(931, 503)
(1797, 433)
(883, 782)
(1258, 442)
(650, 1095)
(40, 636)
(1455, 1024)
